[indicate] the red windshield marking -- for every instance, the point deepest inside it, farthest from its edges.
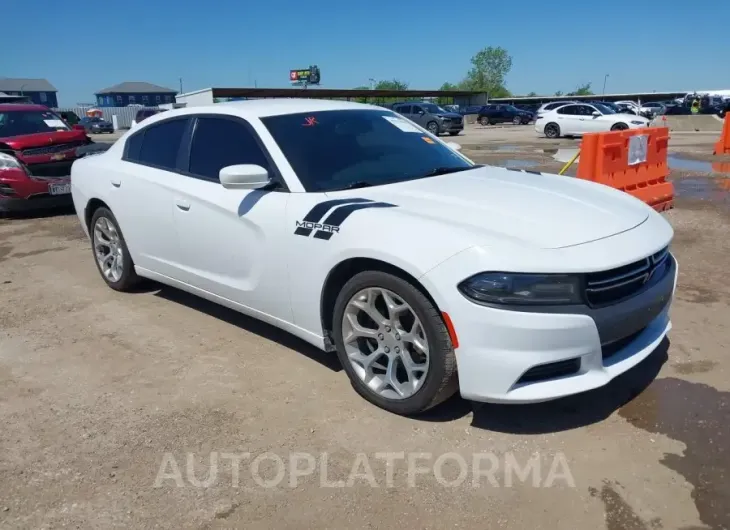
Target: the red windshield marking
(310, 121)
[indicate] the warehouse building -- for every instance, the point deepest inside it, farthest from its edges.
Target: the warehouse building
(38, 91)
(134, 93)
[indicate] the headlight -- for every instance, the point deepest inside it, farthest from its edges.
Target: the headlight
(522, 289)
(9, 162)
(636, 122)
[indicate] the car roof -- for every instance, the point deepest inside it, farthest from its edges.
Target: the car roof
(259, 108)
(9, 107)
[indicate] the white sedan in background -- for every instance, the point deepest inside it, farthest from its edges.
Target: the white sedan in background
(360, 232)
(576, 119)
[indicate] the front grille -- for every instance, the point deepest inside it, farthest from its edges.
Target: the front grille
(50, 149)
(612, 348)
(551, 371)
(51, 170)
(612, 286)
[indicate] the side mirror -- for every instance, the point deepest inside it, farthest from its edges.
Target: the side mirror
(454, 146)
(420, 113)
(78, 127)
(595, 113)
(244, 177)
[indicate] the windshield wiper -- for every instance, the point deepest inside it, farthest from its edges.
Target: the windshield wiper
(444, 171)
(357, 184)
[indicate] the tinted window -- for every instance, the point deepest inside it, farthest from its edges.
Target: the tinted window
(585, 110)
(568, 109)
(134, 144)
(161, 144)
(335, 149)
(416, 109)
(218, 143)
(404, 109)
(20, 122)
(553, 106)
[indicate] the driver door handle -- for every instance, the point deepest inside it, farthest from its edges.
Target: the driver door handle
(183, 205)
(116, 182)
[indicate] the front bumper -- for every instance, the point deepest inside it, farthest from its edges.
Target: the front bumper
(34, 203)
(509, 356)
(451, 126)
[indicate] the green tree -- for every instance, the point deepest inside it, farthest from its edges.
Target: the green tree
(447, 87)
(392, 84)
(489, 70)
(559, 93)
(532, 95)
(582, 90)
(361, 100)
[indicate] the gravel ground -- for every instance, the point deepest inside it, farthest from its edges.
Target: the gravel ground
(104, 395)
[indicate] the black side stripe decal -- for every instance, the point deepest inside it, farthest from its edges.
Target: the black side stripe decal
(316, 213)
(338, 216)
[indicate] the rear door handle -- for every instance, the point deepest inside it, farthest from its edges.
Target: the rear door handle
(183, 205)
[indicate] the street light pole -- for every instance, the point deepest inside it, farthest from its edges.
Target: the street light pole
(372, 83)
(181, 85)
(604, 86)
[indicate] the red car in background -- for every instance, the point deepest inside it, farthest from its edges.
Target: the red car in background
(37, 148)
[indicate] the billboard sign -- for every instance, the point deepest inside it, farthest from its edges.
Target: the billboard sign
(305, 76)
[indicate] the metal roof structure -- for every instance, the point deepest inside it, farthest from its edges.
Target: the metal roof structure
(643, 96)
(136, 87)
(325, 93)
(8, 84)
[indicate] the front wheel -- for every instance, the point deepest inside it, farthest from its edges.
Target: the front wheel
(393, 343)
(619, 127)
(110, 251)
(517, 120)
(433, 128)
(484, 121)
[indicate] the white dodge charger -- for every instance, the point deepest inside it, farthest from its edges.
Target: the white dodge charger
(353, 228)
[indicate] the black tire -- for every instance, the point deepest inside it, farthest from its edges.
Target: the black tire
(516, 120)
(129, 277)
(552, 130)
(619, 126)
(441, 380)
(484, 121)
(454, 133)
(433, 128)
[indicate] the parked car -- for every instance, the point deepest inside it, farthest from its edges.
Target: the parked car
(143, 114)
(655, 107)
(472, 109)
(37, 148)
(552, 106)
(492, 114)
(432, 117)
(97, 125)
(580, 118)
(405, 252)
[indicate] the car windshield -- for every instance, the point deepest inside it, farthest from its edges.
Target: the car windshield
(20, 122)
(605, 109)
(433, 109)
(339, 149)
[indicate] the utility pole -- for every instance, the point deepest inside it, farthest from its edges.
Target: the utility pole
(604, 86)
(181, 85)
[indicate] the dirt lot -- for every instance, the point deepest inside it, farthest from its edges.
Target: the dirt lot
(103, 396)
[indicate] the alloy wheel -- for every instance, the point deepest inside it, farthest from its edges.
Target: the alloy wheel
(385, 343)
(108, 249)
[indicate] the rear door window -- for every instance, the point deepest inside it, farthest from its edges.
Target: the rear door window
(569, 109)
(159, 145)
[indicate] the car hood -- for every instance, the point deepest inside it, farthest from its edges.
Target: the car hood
(490, 205)
(450, 115)
(27, 141)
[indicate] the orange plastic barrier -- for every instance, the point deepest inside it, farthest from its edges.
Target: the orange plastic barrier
(604, 158)
(722, 147)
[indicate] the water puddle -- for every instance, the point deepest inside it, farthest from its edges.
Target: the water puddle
(520, 164)
(703, 188)
(697, 415)
(561, 155)
(497, 148)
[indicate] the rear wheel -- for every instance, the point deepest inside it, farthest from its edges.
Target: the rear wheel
(393, 343)
(110, 251)
(552, 130)
(619, 127)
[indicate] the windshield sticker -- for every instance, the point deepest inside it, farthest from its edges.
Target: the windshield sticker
(403, 125)
(310, 121)
(427, 140)
(55, 123)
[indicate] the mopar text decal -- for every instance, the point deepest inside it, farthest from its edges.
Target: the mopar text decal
(323, 227)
